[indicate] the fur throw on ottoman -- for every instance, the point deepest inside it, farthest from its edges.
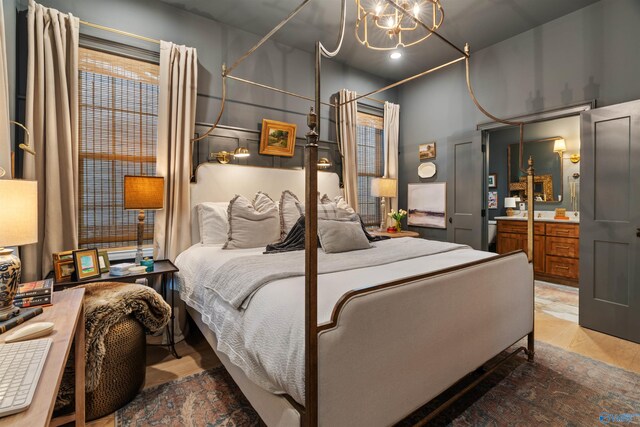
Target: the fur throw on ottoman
(105, 305)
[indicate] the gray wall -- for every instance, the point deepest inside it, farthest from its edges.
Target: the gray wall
(499, 140)
(273, 64)
(588, 54)
(9, 9)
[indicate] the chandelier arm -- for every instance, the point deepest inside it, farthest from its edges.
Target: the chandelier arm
(343, 20)
(520, 124)
(268, 35)
(425, 26)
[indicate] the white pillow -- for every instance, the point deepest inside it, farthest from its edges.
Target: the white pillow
(341, 236)
(252, 224)
(289, 212)
(213, 222)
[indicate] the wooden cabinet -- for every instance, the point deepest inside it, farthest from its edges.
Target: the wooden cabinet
(555, 248)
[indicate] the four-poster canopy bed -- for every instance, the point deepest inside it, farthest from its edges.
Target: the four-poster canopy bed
(355, 317)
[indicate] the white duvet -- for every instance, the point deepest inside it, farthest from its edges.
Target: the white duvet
(267, 339)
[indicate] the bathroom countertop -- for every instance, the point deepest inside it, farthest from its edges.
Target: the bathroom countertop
(572, 219)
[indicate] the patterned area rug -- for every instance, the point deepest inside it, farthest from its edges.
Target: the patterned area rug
(559, 389)
(557, 300)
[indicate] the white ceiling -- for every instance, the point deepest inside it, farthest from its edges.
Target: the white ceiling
(481, 23)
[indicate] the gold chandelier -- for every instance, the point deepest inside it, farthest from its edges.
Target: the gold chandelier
(380, 26)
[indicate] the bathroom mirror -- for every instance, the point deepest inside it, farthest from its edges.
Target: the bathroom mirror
(548, 171)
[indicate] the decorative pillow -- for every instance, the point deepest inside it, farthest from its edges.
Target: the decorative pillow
(213, 222)
(252, 224)
(342, 204)
(289, 212)
(341, 236)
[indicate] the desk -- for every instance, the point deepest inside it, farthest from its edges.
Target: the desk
(163, 268)
(67, 315)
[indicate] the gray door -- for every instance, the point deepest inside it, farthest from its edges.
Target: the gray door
(610, 220)
(465, 201)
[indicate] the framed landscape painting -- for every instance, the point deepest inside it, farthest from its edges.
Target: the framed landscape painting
(428, 205)
(277, 138)
(427, 151)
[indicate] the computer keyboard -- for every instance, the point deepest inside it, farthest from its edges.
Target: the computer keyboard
(20, 368)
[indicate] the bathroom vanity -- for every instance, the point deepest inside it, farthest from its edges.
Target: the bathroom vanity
(555, 244)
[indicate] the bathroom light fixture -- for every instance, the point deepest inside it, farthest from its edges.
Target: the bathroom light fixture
(382, 27)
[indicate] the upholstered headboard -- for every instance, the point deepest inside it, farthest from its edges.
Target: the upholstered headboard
(220, 183)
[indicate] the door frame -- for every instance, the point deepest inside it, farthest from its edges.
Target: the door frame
(542, 116)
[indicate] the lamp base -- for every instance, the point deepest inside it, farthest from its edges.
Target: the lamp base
(509, 211)
(10, 269)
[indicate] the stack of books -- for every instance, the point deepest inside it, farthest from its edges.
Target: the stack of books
(34, 294)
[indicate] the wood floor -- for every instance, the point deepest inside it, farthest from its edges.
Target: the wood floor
(198, 356)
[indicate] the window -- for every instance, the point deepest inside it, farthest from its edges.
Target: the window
(370, 164)
(118, 128)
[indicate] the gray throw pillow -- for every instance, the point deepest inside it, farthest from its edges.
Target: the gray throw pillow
(252, 224)
(341, 236)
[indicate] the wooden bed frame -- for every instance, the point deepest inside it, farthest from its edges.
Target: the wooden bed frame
(314, 333)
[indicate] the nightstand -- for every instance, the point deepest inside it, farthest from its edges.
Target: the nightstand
(162, 268)
(394, 235)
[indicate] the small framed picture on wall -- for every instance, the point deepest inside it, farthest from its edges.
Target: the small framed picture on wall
(427, 151)
(492, 200)
(492, 180)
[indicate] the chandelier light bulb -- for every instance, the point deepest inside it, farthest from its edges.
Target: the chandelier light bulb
(378, 9)
(390, 22)
(416, 9)
(396, 54)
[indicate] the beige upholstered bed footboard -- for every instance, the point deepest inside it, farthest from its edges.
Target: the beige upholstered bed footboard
(393, 349)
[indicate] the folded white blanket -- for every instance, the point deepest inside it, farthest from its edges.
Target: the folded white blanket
(239, 278)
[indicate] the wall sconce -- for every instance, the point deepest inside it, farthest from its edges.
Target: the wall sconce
(224, 157)
(559, 146)
(324, 163)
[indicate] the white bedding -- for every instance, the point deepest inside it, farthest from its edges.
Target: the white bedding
(267, 339)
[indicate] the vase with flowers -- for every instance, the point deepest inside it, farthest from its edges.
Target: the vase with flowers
(397, 217)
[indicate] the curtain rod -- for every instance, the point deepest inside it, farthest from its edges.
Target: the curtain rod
(120, 32)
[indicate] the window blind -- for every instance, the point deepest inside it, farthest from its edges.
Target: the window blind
(118, 132)
(370, 164)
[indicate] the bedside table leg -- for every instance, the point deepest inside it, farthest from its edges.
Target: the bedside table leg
(171, 326)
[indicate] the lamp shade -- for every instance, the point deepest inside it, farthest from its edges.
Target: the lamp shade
(509, 202)
(559, 145)
(384, 187)
(19, 212)
(143, 192)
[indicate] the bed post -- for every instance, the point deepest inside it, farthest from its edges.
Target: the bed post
(310, 416)
(530, 247)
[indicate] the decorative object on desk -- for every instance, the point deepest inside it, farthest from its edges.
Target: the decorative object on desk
(106, 304)
(137, 269)
(492, 200)
(120, 269)
(86, 263)
(561, 213)
(63, 256)
(19, 220)
(384, 187)
(103, 261)
(427, 151)
(23, 316)
(277, 138)
(397, 217)
(147, 262)
(64, 270)
(492, 180)
(509, 203)
(140, 193)
(427, 205)
(34, 294)
(427, 170)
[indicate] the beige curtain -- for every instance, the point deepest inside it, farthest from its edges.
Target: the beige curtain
(176, 126)
(347, 125)
(5, 133)
(391, 130)
(52, 118)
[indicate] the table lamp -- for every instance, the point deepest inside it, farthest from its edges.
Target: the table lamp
(18, 226)
(384, 187)
(509, 203)
(141, 193)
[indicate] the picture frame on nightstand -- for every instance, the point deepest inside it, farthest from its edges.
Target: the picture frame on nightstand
(86, 263)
